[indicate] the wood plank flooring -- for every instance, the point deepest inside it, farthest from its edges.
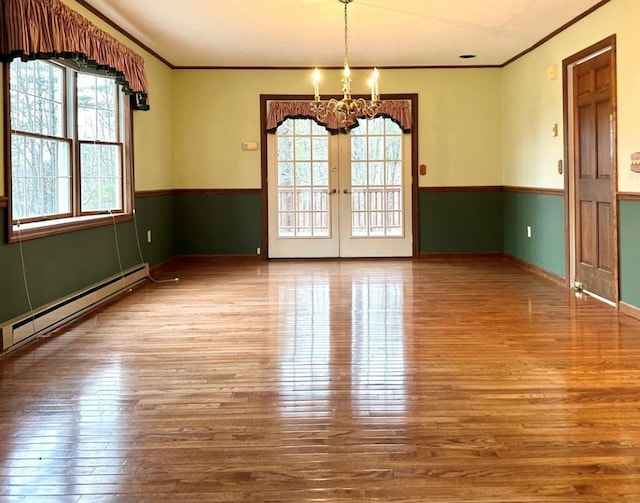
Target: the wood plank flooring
(334, 381)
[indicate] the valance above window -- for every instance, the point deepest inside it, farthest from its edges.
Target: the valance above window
(399, 111)
(48, 29)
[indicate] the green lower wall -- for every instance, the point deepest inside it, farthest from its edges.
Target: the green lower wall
(158, 215)
(629, 219)
(218, 223)
(545, 214)
(483, 221)
(461, 221)
(57, 266)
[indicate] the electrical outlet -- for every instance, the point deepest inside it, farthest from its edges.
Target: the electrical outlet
(528, 231)
(148, 236)
(258, 251)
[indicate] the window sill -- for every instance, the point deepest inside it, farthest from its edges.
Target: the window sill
(35, 230)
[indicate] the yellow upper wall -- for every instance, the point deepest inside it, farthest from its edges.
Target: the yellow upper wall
(153, 142)
(531, 103)
(477, 126)
(216, 110)
(152, 133)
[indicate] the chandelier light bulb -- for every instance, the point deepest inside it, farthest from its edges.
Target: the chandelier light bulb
(316, 84)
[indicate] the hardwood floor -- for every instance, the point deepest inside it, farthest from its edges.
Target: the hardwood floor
(335, 381)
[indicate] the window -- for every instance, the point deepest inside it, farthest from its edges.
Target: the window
(69, 149)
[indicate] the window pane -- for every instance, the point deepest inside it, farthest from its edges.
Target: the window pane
(359, 148)
(303, 127)
(392, 128)
(285, 174)
(376, 173)
(320, 149)
(97, 108)
(358, 174)
(376, 126)
(393, 148)
(394, 173)
(100, 178)
(303, 173)
(303, 148)
(36, 97)
(376, 148)
(40, 176)
(285, 148)
(318, 130)
(286, 128)
(321, 175)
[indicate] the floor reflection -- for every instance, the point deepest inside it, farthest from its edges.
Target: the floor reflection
(316, 344)
(304, 323)
(377, 346)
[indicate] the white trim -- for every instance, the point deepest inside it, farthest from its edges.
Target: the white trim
(598, 297)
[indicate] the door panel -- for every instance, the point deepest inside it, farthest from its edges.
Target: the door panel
(595, 175)
(587, 215)
(603, 133)
(376, 215)
(604, 236)
(301, 215)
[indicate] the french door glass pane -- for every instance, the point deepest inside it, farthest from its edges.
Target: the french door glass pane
(376, 179)
(303, 179)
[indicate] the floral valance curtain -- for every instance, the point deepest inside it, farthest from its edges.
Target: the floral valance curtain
(48, 29)
(398, 111)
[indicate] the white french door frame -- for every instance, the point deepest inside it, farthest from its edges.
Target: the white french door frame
(411, 148)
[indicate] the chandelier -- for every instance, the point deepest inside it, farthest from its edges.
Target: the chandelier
(347, 108)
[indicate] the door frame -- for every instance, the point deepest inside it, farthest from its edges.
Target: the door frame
(264, 200)
(607, 44)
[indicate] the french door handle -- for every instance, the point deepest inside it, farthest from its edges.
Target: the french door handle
(332, 191)
(345, 191)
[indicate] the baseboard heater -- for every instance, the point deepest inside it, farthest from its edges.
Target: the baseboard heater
(21, 329)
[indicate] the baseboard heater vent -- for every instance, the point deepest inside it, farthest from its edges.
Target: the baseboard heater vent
(20, 330)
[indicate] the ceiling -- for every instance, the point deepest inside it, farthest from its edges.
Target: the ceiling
(307, 33)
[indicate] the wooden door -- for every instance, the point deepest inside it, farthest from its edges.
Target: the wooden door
(595, 211)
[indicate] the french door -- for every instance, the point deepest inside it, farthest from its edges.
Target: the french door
(346, 195)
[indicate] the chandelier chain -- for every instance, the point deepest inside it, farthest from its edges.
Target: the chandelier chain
(346, 35)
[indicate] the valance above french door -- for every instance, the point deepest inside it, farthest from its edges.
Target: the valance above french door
(399, 111)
